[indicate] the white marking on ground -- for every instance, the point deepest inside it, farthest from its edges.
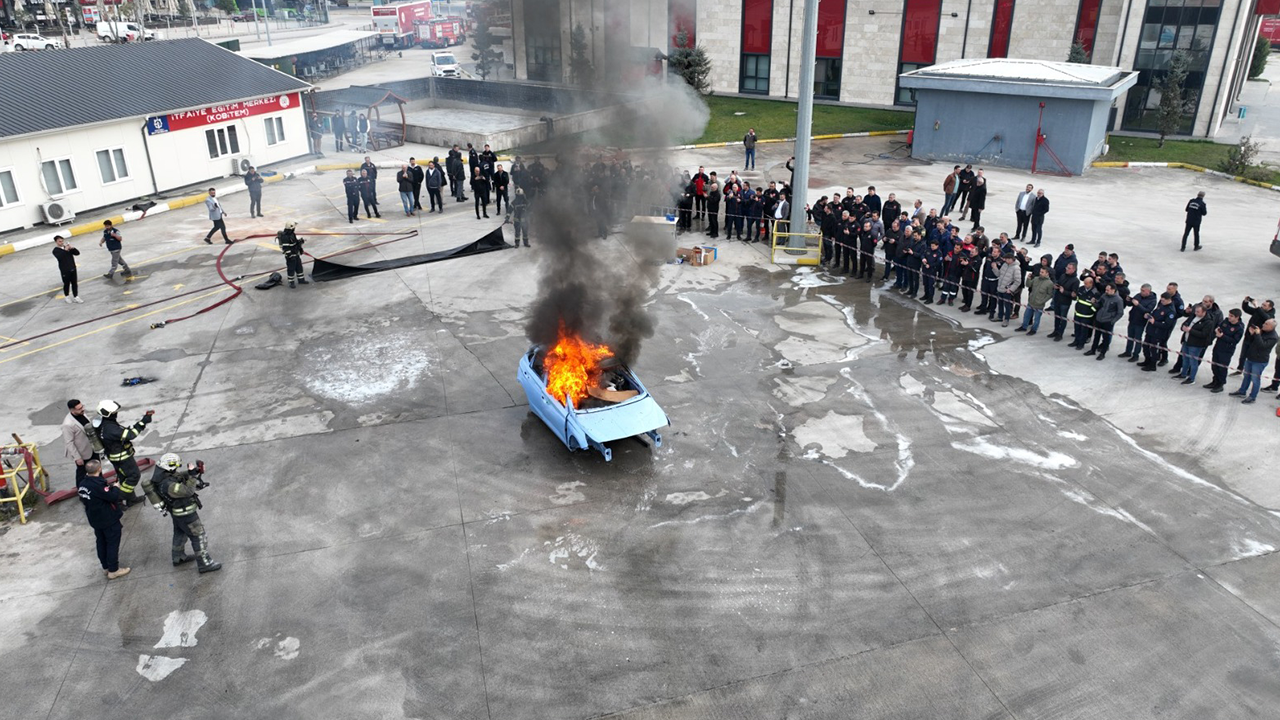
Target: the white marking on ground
(287, 649)
(681, 297)
(566, 494)
(1052, 461)
(684, 498)
(952, 404)
(180, 628)
(1089, 501)
(516, 561)
(570, 546)
(366, 367)
(910, 385)
(1071, 435)
(905, 460)
(837, 435)
(1248, 547)
(801, 390)
(156, 668)
(980, 342)
(703, 518)
(1166, 465)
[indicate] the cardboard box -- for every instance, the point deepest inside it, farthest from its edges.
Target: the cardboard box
(711, 250)
(704, 255)
(686, 254)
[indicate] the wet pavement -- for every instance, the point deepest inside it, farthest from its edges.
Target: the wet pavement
(859, 510)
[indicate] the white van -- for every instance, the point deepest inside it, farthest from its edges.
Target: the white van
(444, 64)
(131, 31)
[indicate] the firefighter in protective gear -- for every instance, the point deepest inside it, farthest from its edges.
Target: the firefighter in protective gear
(291, 245)
(173, 488)
(519, 209)
(117, 444)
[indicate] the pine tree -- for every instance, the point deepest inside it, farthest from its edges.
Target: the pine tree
(690, 62)
(487, 58)
(1173, 102)
(1077, 54)
(581, 72)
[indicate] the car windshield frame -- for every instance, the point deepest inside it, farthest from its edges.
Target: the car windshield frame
(437, 59)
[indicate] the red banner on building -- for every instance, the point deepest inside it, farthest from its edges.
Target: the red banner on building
(222, 113)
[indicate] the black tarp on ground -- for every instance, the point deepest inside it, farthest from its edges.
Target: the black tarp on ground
(324, 270)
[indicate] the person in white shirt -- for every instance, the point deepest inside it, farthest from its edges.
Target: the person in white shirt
(216, 214)
(1022, 206)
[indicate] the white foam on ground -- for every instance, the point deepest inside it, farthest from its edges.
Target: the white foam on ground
(180, 628)
(156, 668)
(1089, 501)
(705, 518)
(288, 648)
(684, 498)
(910, 385)
(953, 405)
(682, 298)
(1051, 461)
(802, 390)
(1248, 547)
(567, 493)
(567, 548)
(837, 435)
(363, 368)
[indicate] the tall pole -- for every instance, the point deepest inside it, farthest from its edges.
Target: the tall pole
(804, 121)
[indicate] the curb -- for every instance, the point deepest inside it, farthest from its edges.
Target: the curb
(1187, 166)
(175, 204)
(732, 143)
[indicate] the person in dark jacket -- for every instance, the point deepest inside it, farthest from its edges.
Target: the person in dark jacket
(867, 239)
(480, 188)
(457, 174)
(978, 200)
(1160, 322)
(501, 185)
(1039, 208)
(418, 175)
(890, 246)
(367, 167)
(369, 194)
(1258, 314)
(970, 269)
(1139, 306)
(1197, 334)
(435, 181)
(339, 126)
(1255, 359)
(1196, 210)
(1086, 302)
(1228, 334)
(351, 186)
(520, 216)
(1213, 316)
(733, 219)
(713, 210)
(404, 183)
(1110, 310)
(253, 181)
(684, 213)
(66, 254)
(1064, 291)
(931, 266)
(103, 506)
(892, 209)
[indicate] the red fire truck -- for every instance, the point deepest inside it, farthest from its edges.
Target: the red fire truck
(439, 33)
(396, 23)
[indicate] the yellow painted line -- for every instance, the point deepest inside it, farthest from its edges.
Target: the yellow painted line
(264, 245)
(117, 324)
(6, 249)
(179, 286)
(127, 292)
(8, 340)
(1110, 164)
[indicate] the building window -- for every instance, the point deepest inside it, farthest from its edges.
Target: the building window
(222, 141)
(59, 178)
(1167, 29)
(831, 28)
(920, 21)
(544, 57)
(826, 79)
(757, 42)
(1001, 27)
(111, 165)
(755, 74)
(682, 17)
(8, 189)
(275, 130)
(1087, 23)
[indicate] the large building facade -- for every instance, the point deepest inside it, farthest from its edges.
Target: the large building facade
(864, 46)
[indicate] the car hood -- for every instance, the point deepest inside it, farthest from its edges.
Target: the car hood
(636, 416)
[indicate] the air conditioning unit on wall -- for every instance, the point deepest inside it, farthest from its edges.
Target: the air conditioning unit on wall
(240, 166)
(55, 213)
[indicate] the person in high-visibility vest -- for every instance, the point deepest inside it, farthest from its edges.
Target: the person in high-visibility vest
(117, 444)
(173, 488)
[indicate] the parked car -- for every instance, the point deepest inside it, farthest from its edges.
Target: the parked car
(444, 64)
(27, 41)
(242, 17)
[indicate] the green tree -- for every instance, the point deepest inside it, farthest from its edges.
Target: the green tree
(690, 62)
(1261, 51)
(1077, 54)
(581, 72)
(1174, 103)
(486, 56)
(227, 6)
(1241, 156)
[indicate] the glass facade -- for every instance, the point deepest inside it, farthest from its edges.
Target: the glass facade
(1087, 25)
(920, 20)
(826, 79)
(757, 40)
(682, 17)
(1001, 27)
(1169, 26)
(542, 40)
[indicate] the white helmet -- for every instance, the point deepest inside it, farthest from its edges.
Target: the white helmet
(107, 408)
(290, 225)
(170, 461)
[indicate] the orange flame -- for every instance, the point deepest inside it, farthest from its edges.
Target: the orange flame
(573, 365)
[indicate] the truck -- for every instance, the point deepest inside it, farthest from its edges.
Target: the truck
(397, 23)
(439, 33)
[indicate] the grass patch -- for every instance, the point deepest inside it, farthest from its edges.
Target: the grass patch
(776, 119)
(1204, 153)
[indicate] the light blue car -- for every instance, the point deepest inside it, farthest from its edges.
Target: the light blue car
(598, 421)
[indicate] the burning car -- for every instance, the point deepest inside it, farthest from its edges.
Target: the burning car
(587, 396)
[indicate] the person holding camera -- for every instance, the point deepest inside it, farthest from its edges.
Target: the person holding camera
(1262, 340)
(103, 505)
(173, 489)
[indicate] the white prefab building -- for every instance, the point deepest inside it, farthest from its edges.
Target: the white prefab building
(93, 127)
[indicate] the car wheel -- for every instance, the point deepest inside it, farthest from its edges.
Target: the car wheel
(18, 48)
(48, 47)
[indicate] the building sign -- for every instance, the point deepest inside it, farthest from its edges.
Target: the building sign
(217, 114)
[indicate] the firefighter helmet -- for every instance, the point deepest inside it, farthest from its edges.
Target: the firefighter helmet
(170, 461)
(107, 408)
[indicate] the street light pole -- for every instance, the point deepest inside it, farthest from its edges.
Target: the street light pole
(804, 122)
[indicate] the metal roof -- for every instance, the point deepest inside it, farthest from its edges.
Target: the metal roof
(1027, 71)
(315, 43)
(66, 88)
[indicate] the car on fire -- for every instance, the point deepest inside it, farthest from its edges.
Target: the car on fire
(613, 405)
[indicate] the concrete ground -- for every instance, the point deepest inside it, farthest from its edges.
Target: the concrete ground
(863, 507)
